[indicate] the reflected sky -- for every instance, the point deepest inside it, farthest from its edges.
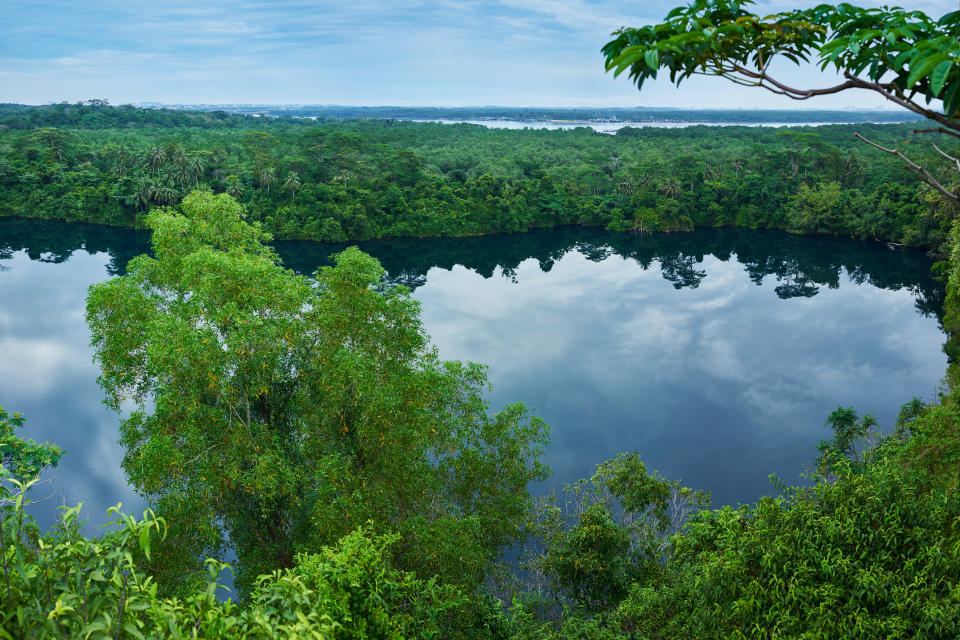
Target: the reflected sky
(718, 385)
(47, 373)
(718, 362)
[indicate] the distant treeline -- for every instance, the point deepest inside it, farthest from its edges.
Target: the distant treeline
(355, 180)
(97, 114)
(542, 114)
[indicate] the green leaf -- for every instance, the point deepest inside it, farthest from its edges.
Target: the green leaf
(951, 100)
(145, 541)
(652, 58)
(939, 76)
(920, 69)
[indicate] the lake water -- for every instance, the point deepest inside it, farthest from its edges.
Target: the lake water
(613, 127)
(716, 354)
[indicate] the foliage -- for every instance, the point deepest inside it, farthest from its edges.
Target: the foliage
(278, 412)
(723, 38)
(902, 55)
(335, 181)
(871, 550)
(20, 459)
(840, 453)
(609, 532)
(65, 585)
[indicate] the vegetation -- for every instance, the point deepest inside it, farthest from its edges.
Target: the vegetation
(279, 412)
(904, 56)
(872, 548)
(361, 180)
(305, 422)
(62, 585)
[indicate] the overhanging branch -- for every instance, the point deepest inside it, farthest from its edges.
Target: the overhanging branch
(889, 90)
(913, 167)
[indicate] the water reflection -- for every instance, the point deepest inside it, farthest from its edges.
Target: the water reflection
(716, 354)
(800, 265)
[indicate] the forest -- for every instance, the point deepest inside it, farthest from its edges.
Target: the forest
(356, 180)
(304, 423)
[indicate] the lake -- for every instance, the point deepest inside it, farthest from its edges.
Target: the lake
(612, 127)
(717, 354)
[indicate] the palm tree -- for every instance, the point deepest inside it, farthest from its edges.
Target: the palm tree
(166, 194)
(292, 183)
(195, 167)
(155, 158)
(234, 187)
(669, 187)
(266, 178)
(143, 188)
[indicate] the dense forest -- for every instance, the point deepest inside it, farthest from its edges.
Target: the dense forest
(337, 181)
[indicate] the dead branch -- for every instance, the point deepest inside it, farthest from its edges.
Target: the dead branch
(913, 167)
(938, 130)
(948, 156)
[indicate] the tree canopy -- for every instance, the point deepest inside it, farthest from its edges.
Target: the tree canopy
(868, 46)
(274, 413)
(907, 57)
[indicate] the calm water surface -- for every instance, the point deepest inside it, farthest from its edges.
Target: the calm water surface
(613, 127)
(717, 354)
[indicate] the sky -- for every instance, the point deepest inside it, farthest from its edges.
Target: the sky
(358, 52)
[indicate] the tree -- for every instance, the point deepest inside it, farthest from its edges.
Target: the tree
(142, 194)
(53, 138)
(234, 187)
(612, 532)
(280, 412)
(266, 177)
(155, 158)
(292, 183)
(868, 46)
(23, 460)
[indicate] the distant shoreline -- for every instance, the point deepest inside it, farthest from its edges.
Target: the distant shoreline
(560, 116)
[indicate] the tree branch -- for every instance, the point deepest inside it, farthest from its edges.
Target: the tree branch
(948, 156)
(796, 94)
(938, 130)
(922, 173)
(888, 90)
(893, 93)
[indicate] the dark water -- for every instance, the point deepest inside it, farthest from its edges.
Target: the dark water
(716, 354)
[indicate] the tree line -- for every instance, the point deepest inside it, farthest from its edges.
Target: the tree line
(338, 181)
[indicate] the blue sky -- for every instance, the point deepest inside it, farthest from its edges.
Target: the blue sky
(372, 52)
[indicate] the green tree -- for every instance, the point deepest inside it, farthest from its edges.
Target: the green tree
(292, 183)
(53, 138)
(905, 56)
(613, 532)
(279, 412)
(265, 178)
(20, 459)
